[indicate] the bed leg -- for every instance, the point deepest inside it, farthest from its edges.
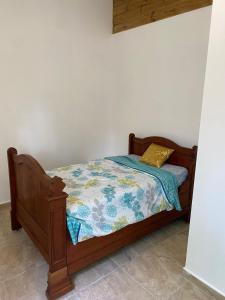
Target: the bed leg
(15, 225)
(11, 153)
(187, 217)
(59, 283)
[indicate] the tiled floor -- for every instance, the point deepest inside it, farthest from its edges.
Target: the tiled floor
(150, 269)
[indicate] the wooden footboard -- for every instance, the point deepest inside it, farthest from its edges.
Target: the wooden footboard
(38, 204)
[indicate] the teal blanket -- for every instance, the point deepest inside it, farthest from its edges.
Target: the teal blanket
(167, 180)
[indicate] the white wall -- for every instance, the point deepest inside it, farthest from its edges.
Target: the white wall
(160, 76)
(71, 91)
(206, 246)
(55, 80)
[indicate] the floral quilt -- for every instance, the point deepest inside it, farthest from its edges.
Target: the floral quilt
(105, 196)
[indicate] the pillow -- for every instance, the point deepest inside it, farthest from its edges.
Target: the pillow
(156, 155)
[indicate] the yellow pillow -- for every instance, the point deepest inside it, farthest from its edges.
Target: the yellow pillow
(156, 155)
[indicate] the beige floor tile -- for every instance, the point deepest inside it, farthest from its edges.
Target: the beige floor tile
(9, 236)
(16, 257)
(190, 292)
(31, 284)
(157, 237)
(85, 278)
(147, 243)
(2, 291)
(149, 269)
(74, 296)
(91, 274)
(142, 245)
(174, 247)
(178, 226)
(210, 293)
(116, 286)
(4, 207)
(97, 291)
(105, 266)
(6, 234)
(124, 255)
(4, 214)
(159, 275)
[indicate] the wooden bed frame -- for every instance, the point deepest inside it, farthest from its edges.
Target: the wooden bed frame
(38, 204)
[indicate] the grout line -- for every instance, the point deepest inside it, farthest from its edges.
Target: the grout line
(188, 280)
(174, 261)
(138, 283)
(100, 278)
(108, 274)
(23, 272)
(13, 277)
(90, 284)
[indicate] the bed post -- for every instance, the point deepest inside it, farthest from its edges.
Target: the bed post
(131, 139)
(187, 217)
(15, 225)
(59, 281)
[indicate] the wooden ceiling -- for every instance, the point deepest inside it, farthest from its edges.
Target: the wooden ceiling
(132, 13)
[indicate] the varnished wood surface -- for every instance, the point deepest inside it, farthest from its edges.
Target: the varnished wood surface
(128, 14)
(38, 204)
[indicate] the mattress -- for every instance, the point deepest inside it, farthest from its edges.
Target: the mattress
(179, 172)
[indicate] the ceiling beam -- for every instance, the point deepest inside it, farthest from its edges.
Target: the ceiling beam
(128, 14)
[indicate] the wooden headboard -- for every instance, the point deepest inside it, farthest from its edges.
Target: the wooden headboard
(185, 157)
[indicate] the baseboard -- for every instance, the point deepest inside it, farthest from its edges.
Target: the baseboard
(204, 282)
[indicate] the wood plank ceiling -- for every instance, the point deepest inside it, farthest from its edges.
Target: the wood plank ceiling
(132, 13)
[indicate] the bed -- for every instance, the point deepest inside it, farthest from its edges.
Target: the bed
(39, 205)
